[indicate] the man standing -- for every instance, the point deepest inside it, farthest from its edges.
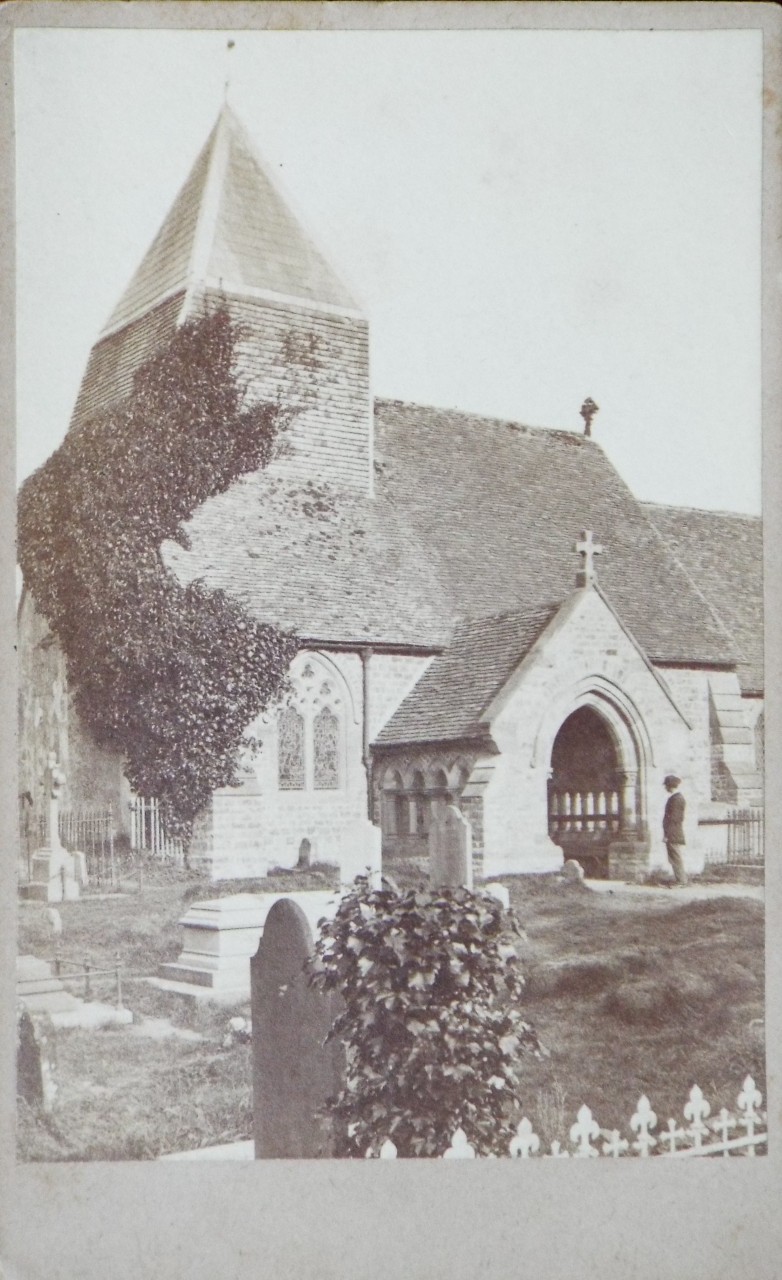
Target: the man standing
(673, 827)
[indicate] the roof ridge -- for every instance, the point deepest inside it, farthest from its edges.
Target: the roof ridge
(486, 417)
(706, 511)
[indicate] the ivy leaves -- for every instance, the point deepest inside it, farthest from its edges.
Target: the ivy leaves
(170, 676)
(431, 1018)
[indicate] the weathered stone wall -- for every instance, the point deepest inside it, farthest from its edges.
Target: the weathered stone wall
(261, 825)
(391, 677)
(48, 722)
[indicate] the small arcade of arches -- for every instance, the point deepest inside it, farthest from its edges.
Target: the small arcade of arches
(593, 793)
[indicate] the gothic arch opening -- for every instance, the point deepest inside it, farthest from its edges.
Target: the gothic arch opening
(593, 791)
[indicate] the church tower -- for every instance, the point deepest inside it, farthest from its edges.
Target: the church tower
(230, 237)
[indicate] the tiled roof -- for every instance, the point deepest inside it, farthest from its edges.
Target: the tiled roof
(329, 566)
(449, 699)
(723, 554)
(498, 506)
(472, 516)
(230, 227)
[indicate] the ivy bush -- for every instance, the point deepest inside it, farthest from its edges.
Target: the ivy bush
(431, 1019)
(168, 675)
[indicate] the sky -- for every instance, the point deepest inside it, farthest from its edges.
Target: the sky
(527, 217)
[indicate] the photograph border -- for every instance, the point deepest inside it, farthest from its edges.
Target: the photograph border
(693, 1220)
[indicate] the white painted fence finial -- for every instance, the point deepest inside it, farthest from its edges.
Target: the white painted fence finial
(460, 1148)
(585, 1128)
(644, 1120)
(526, 1142)
(696, 1111)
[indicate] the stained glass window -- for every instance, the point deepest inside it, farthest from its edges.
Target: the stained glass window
(290, 750)
(325, 732)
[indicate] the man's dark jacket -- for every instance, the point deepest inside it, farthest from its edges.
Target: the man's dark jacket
(673, 819)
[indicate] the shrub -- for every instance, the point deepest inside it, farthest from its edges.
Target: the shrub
(431, 1021)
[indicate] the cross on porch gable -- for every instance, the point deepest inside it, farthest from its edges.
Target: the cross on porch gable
(587, 548)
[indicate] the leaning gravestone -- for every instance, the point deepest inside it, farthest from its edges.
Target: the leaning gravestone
(293, 1071)
(34, 1064)
(450, 850)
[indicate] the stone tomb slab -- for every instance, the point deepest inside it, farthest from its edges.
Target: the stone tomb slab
(221, 935)
(42, 993)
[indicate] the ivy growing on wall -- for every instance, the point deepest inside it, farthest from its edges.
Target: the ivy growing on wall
(168, 675)
(431, 1019)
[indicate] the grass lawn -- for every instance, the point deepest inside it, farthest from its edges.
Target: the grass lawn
(628, 995)
(634, 996)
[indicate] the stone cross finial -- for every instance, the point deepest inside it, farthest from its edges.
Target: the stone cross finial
(588, 411)
(588, 549)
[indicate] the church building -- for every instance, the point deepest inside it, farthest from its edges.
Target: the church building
(487, 616)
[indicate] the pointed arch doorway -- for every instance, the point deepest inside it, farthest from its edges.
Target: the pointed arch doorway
(595, 793)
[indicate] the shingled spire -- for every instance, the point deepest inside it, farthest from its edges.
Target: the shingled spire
(230, 228)
(232, 236)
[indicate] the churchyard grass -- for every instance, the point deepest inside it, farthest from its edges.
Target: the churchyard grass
(629, 995)
(633, 996)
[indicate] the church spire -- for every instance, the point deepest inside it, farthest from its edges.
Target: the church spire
(230, 229)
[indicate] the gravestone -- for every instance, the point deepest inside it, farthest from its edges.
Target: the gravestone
(450, 850)
(572, 870)
(34, 1064)
(293, 1070)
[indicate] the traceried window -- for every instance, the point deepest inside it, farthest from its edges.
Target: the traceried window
(311, 730)
(325, 738)
(290, 730)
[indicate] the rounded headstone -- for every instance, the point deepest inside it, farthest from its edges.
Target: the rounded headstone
(573, 871)
(294, 1071)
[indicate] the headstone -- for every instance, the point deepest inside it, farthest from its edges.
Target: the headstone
(294, 1072)
(499, 892)
(34, 1066)
(450, 850)
(573, 871)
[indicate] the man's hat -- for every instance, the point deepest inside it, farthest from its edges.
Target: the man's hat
(671, 780)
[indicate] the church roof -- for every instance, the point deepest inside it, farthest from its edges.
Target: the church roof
(498, 507)
(473, 517)
(448, 701)
(230, 228)
(331, 566)
(723, 553)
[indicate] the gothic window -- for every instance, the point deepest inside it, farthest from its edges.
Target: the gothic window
(290, 729)
(325, 738)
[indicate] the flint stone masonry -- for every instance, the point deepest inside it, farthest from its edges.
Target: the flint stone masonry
(293, 1070)
(221, 936)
